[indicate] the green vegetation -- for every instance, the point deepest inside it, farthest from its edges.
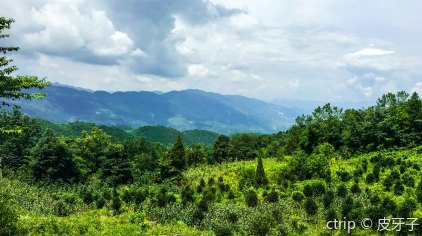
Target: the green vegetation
(76, 179)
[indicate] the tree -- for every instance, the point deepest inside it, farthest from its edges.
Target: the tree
(221, 149)
(53, 160)
(175, 160)
(177, 155)
(116, 165)
(15, 146)
(15, 87)
(260, 177)
(92, 148)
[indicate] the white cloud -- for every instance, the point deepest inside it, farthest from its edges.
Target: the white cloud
(370, 52)
(417, 87)
(357, 85)
(196, 70)
(296, 49)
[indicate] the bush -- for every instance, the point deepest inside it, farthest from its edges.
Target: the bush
(272, 196)
(398, 188)
(419, 192)
(370, 178)
(308, 190)
(355, 188)
(251, 198)
(343, 175)
(342, 190)
(161, 197)
(139, 196)
(9, 218)
(347, 206)
(222, 230)
(407, 207)
(171, 198)
(232, 217)
(311, 206)
(261, 225)
(388, 182)
(297, 196)
(203, 205)
(201, 186)
(328, 198)
(318, 188)
(408, 180)
(331, 215)
(231, 195)
(187, 195)
(389, 206)
(116, 203)
(100, 203)
(197, 216)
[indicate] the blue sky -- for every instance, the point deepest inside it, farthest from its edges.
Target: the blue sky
(331, 50)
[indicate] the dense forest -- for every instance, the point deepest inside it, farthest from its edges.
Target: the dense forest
(334, 164)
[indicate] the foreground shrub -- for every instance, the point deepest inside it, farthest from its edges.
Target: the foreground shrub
(251, 198)
(297, 196)
(8, 217)
(311, 206)
(272, 196)
(261, 225)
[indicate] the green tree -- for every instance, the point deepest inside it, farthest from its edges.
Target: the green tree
(243, 147)
(15, 87)
(221, 149)
(260, 177)
(116, 165)
(177, 155)
(53, 160)
(15, 146)
(92, 149)
(175, 160)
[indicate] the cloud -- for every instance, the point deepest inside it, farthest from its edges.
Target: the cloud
(318, 50)
(417, 87)
(136, 34)
(370, 52)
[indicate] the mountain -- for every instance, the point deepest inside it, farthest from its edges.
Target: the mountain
(182, 110)
(308, 106)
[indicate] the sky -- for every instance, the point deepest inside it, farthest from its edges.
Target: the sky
(325, 50)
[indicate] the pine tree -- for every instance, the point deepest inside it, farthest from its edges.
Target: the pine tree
(177, 155)
(260, 177)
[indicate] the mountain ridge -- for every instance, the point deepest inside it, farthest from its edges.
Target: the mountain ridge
(183, 110)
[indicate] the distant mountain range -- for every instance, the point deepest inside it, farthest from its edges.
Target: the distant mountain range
(182, 110)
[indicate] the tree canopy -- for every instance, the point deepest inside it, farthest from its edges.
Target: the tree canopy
(15, 87)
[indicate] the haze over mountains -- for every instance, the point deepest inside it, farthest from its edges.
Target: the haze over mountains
(183, 110)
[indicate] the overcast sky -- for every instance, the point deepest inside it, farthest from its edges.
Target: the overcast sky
(335, 50)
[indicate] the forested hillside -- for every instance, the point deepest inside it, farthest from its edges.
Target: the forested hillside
(332, 164)
(182, 110)
(154, 134)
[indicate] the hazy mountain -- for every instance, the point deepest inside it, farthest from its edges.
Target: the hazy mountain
(182, 110)
(308, 106)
